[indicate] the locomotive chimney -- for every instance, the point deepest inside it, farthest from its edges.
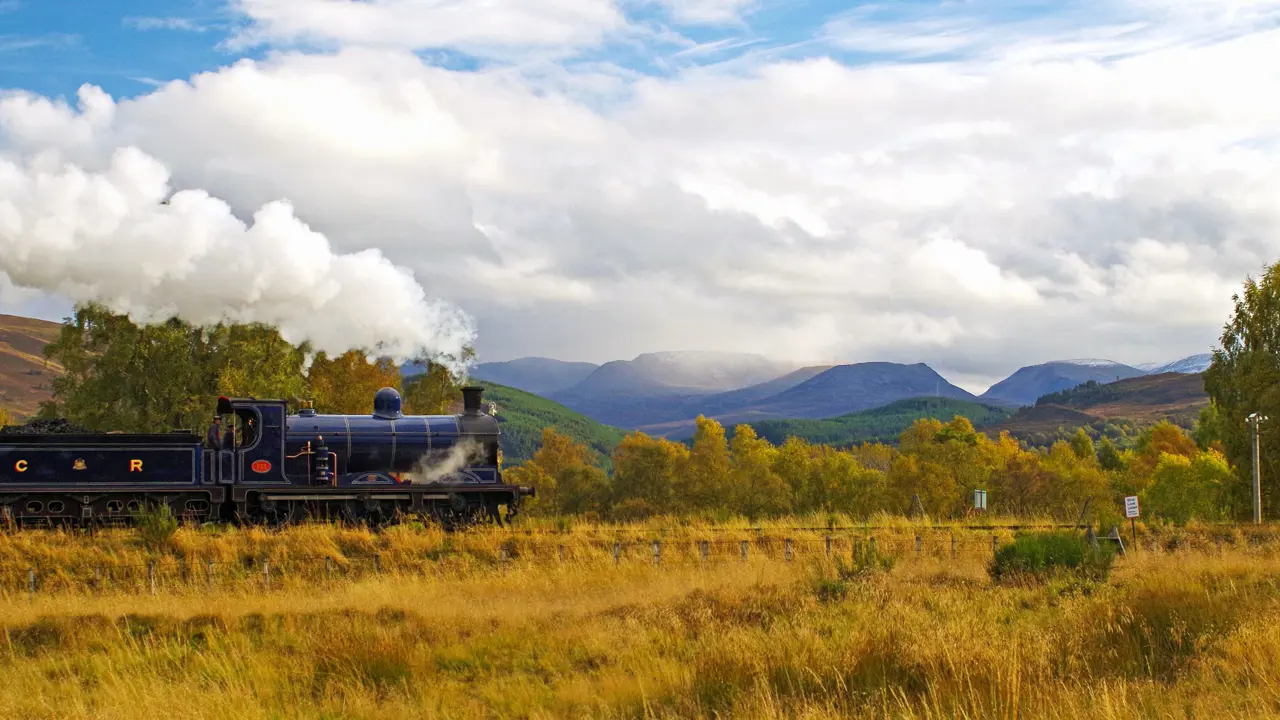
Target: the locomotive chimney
(471, 397)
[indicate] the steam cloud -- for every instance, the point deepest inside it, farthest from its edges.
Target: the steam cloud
(466, 451)
(111, 238)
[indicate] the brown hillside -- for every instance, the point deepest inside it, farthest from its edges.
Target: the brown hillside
(1172, 396)
(1143, 400)
(1043, 419)
(25, 376)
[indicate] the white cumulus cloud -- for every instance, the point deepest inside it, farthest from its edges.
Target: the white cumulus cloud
(1026, 196)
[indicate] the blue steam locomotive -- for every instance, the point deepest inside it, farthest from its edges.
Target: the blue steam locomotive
(258, 463)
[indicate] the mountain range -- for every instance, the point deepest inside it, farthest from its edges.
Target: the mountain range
(662, 393)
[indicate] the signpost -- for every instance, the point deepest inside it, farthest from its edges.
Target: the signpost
(979, 499)
(1131, 512)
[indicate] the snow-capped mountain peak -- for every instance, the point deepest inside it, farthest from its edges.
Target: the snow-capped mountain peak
(1090, 362)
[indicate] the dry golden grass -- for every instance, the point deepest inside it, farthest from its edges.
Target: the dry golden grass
(447, 630)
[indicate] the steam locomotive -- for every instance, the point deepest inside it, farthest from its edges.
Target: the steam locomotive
(265, 465)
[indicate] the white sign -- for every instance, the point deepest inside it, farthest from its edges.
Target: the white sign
(1131, 506)
(980, 499)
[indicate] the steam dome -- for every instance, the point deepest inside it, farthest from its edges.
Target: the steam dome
(386, 404)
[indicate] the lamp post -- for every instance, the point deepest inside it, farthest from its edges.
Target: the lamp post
(1255, 420)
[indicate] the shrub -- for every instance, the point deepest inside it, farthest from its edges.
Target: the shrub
(157, 525)
(1041, 556)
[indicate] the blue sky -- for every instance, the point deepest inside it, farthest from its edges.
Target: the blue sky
(974, 184)
(53, 46)
(124, 46)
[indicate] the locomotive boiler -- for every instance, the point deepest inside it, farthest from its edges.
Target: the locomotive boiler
(259, 463)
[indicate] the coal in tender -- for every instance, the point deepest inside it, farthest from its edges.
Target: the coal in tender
(51, 426)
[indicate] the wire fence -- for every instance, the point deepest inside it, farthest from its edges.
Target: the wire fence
(259, 573)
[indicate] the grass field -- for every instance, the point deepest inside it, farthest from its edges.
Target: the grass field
(1188, 625)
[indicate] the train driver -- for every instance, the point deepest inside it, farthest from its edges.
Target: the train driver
(214, 436)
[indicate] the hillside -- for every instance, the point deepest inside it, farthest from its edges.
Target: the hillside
(1024, 386)
(1172, 395)
(1115, 410)
(522, 416)
(534, 374)
(832, 392)
(1191, 364)
(882, 424)
(25, 375)
(845, 389)
(658, 387)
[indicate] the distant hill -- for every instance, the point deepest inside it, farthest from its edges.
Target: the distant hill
(25, 376)
(835, 391)
(655, 387)
(882, 424)
(521, 417)
(729, 407)
(1191, 364)
(1136, 402)
(1023, 387)
(862, 386)
(537, 375)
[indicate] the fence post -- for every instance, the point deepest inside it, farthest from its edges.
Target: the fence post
(377, 560)
(266, 574)
(993, 545)
(97, 576)
(657, 551)
(208, 572)
(917, 546)
(706, 549)
(953, 547)
(788, 549)
(328, 567)
(617, 553)
(742, 545)
(873, 546)
(31, 582)
(151, 575)
(502, 556)
(561, 553)
(828, 546)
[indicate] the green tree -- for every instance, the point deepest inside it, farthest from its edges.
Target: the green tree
(1189, 488)
(1208, 428)
(166, 376)
(1109, 456)
(1082, 446)
(123, 377)
(1244, 378)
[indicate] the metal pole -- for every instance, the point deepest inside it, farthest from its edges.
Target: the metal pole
(1257, 474)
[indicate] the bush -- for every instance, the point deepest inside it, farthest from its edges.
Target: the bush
(1041, 556)
(157, 525)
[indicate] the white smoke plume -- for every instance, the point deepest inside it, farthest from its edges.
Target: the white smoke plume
(466, 451)
(121, 239)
